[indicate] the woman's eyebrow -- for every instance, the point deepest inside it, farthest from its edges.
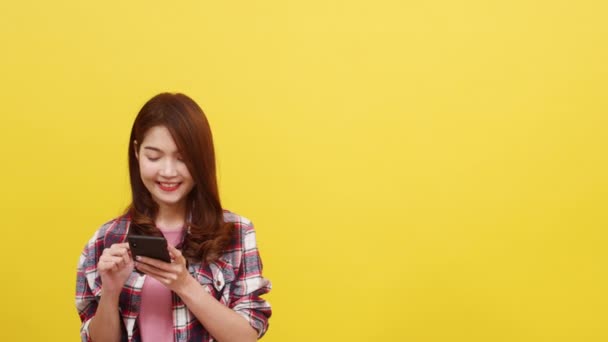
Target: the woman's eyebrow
(152, 148)
(156, 149)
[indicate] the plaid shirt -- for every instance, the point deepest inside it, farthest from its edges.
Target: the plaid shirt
(235, 280)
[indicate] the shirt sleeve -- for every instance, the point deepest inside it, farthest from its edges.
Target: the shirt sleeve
(86, 301)
(249, 284)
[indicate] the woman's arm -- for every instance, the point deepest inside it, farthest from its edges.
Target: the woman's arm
(105, 325)
(222, 322)
(115, 265)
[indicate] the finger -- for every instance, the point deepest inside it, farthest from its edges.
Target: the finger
(160, 279)
(116, 250)
(122, 251)
(176, 255)
(104, 265)
(157, 273)
(126, 258)
(107, 266)
(112, 258)
(119, 247)
(174, 252)
(154, 262)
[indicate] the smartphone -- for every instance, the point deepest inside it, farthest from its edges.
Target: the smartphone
(149, 246)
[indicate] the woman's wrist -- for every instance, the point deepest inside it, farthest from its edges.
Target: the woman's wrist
(110, 295)
(189, 285)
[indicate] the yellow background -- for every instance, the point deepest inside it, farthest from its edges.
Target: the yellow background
(416, 170)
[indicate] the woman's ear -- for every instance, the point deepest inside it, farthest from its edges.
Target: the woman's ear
(136, 148)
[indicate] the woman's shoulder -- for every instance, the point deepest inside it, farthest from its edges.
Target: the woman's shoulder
(243, 228)
(237, 219)
(242, 224)
(114, 230)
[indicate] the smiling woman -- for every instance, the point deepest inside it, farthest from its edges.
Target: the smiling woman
(163, 171)
(207, 291)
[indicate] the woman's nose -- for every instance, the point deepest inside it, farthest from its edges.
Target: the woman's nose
(169, 168)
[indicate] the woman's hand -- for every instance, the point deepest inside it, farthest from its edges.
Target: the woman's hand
(114, 266)
(173, 275)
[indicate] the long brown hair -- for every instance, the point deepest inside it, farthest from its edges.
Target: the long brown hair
(207, 232)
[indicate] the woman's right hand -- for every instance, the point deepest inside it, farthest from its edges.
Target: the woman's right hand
(114, 266)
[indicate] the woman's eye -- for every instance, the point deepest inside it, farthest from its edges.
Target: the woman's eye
(153, 159)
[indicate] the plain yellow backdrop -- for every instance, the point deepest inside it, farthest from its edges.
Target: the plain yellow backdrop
(416, 170)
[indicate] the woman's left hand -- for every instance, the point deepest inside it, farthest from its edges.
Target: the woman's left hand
(173, 275)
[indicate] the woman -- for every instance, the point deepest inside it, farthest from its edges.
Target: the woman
(210, 291)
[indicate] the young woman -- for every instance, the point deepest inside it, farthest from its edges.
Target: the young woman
(210, 291)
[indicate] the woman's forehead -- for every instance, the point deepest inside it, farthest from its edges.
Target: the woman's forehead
(160, 138)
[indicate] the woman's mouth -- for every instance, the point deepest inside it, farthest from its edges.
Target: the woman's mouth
(168, 186)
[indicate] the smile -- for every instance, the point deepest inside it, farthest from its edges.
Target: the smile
(168, 186)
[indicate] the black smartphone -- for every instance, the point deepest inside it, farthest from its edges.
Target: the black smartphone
(149, 246)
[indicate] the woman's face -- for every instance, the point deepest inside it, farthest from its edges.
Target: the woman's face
(162, 168)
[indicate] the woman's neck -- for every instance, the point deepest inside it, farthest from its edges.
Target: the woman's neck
(170, 218)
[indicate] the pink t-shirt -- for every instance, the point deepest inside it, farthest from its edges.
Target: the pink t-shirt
(155, 315)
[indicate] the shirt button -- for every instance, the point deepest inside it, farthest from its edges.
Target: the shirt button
(218, 283)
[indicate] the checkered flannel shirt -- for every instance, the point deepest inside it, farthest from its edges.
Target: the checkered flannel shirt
(235, 280)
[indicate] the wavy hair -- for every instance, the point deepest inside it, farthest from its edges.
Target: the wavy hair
(207, 233)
